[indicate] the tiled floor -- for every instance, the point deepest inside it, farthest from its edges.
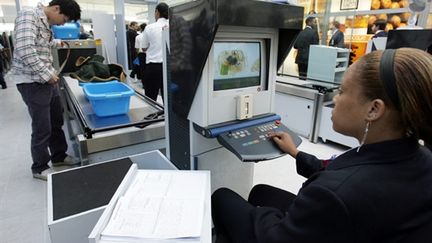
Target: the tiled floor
(23, 200)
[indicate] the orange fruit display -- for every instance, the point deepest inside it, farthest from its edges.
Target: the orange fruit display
(386, 3)
(382, 16)
(376, 4)
(403, 4)
(389, 27)
(395, 20)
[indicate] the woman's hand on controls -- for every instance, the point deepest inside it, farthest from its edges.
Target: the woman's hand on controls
(285, 142)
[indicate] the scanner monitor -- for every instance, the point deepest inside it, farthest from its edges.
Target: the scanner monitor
(238, 76)
(237, 64)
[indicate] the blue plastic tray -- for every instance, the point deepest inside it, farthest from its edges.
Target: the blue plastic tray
(108, 99)
(68, 31)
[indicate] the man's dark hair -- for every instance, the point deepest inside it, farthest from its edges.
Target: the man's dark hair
(133, 23)
(70, 8)
(309, 20)
(142, 26)
(336, 24)
(162, 8)
(381, 24)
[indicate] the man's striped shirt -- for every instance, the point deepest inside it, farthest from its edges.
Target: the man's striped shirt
(32, 59)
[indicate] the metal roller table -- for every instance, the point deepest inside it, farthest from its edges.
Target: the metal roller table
(104, 138)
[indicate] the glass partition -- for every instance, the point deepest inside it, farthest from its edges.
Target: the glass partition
(356, 18)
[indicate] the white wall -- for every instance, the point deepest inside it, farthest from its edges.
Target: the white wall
(103, 28)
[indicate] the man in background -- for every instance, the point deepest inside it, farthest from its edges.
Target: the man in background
(2, 81)
(141, 53)
(308, 36)
(378, 28)
(37, 81)
(131, 34)
(152, 45)
(338, 37)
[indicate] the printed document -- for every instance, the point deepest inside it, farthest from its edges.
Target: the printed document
(159, 205)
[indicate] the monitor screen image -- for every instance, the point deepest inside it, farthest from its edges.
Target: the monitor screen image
(236, 65)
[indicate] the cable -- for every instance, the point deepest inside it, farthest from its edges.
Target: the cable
(65, 61)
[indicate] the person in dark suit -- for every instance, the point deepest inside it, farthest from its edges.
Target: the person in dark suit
(338, 37)
(2, 81)
(308, 36)
(378, 28)
(131, 34)
(378, 192)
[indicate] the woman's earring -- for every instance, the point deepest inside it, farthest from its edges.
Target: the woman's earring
(364, 135)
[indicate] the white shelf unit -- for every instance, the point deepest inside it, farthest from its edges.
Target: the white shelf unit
(296, 113)
(326, 131)
(327, 63)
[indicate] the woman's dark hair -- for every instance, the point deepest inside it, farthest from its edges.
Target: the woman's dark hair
(70, 8)
(413, 79)
(162, 8)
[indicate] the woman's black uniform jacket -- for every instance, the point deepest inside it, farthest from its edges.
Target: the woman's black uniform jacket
(383, 193)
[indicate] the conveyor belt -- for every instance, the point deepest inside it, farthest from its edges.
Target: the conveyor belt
(141, 108)
(104, 138)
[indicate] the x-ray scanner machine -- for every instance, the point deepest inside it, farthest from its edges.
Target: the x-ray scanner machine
(220, 72)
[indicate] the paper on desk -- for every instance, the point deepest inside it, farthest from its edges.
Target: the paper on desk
(159, 205)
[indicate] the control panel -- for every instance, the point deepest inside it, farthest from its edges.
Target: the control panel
(253, 144)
